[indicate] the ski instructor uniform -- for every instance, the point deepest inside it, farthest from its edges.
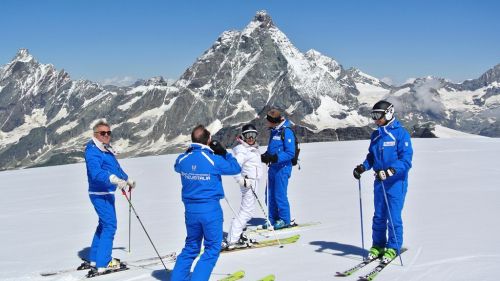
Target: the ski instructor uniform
(279, 155)
(201, 167)
(390, 155)
(104, 175)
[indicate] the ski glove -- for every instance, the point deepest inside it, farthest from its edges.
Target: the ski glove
(384, 174)
(131, 183)
(121, 184)
(358, 171)
(267, 158)
(218, 148)
(242, 182)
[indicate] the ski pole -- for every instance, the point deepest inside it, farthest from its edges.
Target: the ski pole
(137, 216)
(234, 213)
(264, 211)
(392, 224)
(361, 215)
(267, 196)
(129, 219)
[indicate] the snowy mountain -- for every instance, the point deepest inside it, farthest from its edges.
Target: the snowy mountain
(449, 217)
(45, 116)
(472, 106)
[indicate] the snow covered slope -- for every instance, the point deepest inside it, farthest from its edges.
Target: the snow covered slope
(451, 228)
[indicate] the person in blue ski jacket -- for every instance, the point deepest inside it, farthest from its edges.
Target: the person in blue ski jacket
(390, 156)
(201, 167)
(104, 175)
(279, 155)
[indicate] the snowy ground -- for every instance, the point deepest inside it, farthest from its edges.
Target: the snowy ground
(451, 223)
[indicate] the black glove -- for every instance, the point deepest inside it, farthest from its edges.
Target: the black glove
(358, 171)
(267, 158)
(218, 148)
(384, 174)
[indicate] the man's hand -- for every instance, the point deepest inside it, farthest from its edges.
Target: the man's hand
(218, 148)
(384, 174)
(131, 183)
(267, 158)
(121, 184)
(358, 171)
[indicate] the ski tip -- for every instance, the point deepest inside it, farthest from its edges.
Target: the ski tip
(269, 277)
(234, 276)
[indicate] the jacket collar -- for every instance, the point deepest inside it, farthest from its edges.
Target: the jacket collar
(284, 123)
(103, 147)
(199, 146)
(385, 130)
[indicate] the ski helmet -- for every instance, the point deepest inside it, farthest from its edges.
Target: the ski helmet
(249, 131)
(383, 109)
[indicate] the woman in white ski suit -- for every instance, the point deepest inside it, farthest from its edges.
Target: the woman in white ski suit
(248, 156)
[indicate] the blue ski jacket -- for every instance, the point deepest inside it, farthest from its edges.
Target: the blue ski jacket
(101, 164)
(390, 147)
(284, 148)
(201, 172)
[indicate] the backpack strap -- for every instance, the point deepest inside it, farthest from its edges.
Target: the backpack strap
(283, 133)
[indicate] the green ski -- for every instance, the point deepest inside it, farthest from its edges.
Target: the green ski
(269, 277)
(234, 276)
(267, 243)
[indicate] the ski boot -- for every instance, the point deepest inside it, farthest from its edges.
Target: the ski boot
(265, 226)
(280, 224)
(375, 252)
(86, 265)
(389, 255)
(113, 265)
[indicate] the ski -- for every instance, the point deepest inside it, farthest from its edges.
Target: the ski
(266, 243)
(355, 268)
(259, 228)
(170, 257)
(370, 276)
(94, 273)
(269, 277)
(234, 276)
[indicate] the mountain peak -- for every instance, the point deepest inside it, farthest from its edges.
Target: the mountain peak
(264, 19)
(23, 55)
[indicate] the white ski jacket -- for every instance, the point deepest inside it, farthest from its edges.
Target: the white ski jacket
(249, 159)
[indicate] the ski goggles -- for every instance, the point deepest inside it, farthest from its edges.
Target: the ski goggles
(250, 135)
(377, 115)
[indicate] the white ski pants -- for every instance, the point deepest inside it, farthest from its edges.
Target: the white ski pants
(244, 214)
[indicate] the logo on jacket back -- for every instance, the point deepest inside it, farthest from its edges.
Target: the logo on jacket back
(389, 143)
(196, 177)
(193, 168)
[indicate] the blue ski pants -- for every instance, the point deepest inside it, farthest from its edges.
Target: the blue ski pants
(102, 243)
(205, 226)
(279, 207)
(396, 193)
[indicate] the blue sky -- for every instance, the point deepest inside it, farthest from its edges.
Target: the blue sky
(104, 39)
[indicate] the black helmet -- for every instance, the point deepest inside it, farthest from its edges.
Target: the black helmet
(383, 109)
(249, 131)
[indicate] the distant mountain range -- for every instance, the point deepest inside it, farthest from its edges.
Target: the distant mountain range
(45, 116)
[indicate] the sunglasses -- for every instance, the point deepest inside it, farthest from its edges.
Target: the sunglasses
(250, 135)
(377, 115)
(103, 133)
(273, 120)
